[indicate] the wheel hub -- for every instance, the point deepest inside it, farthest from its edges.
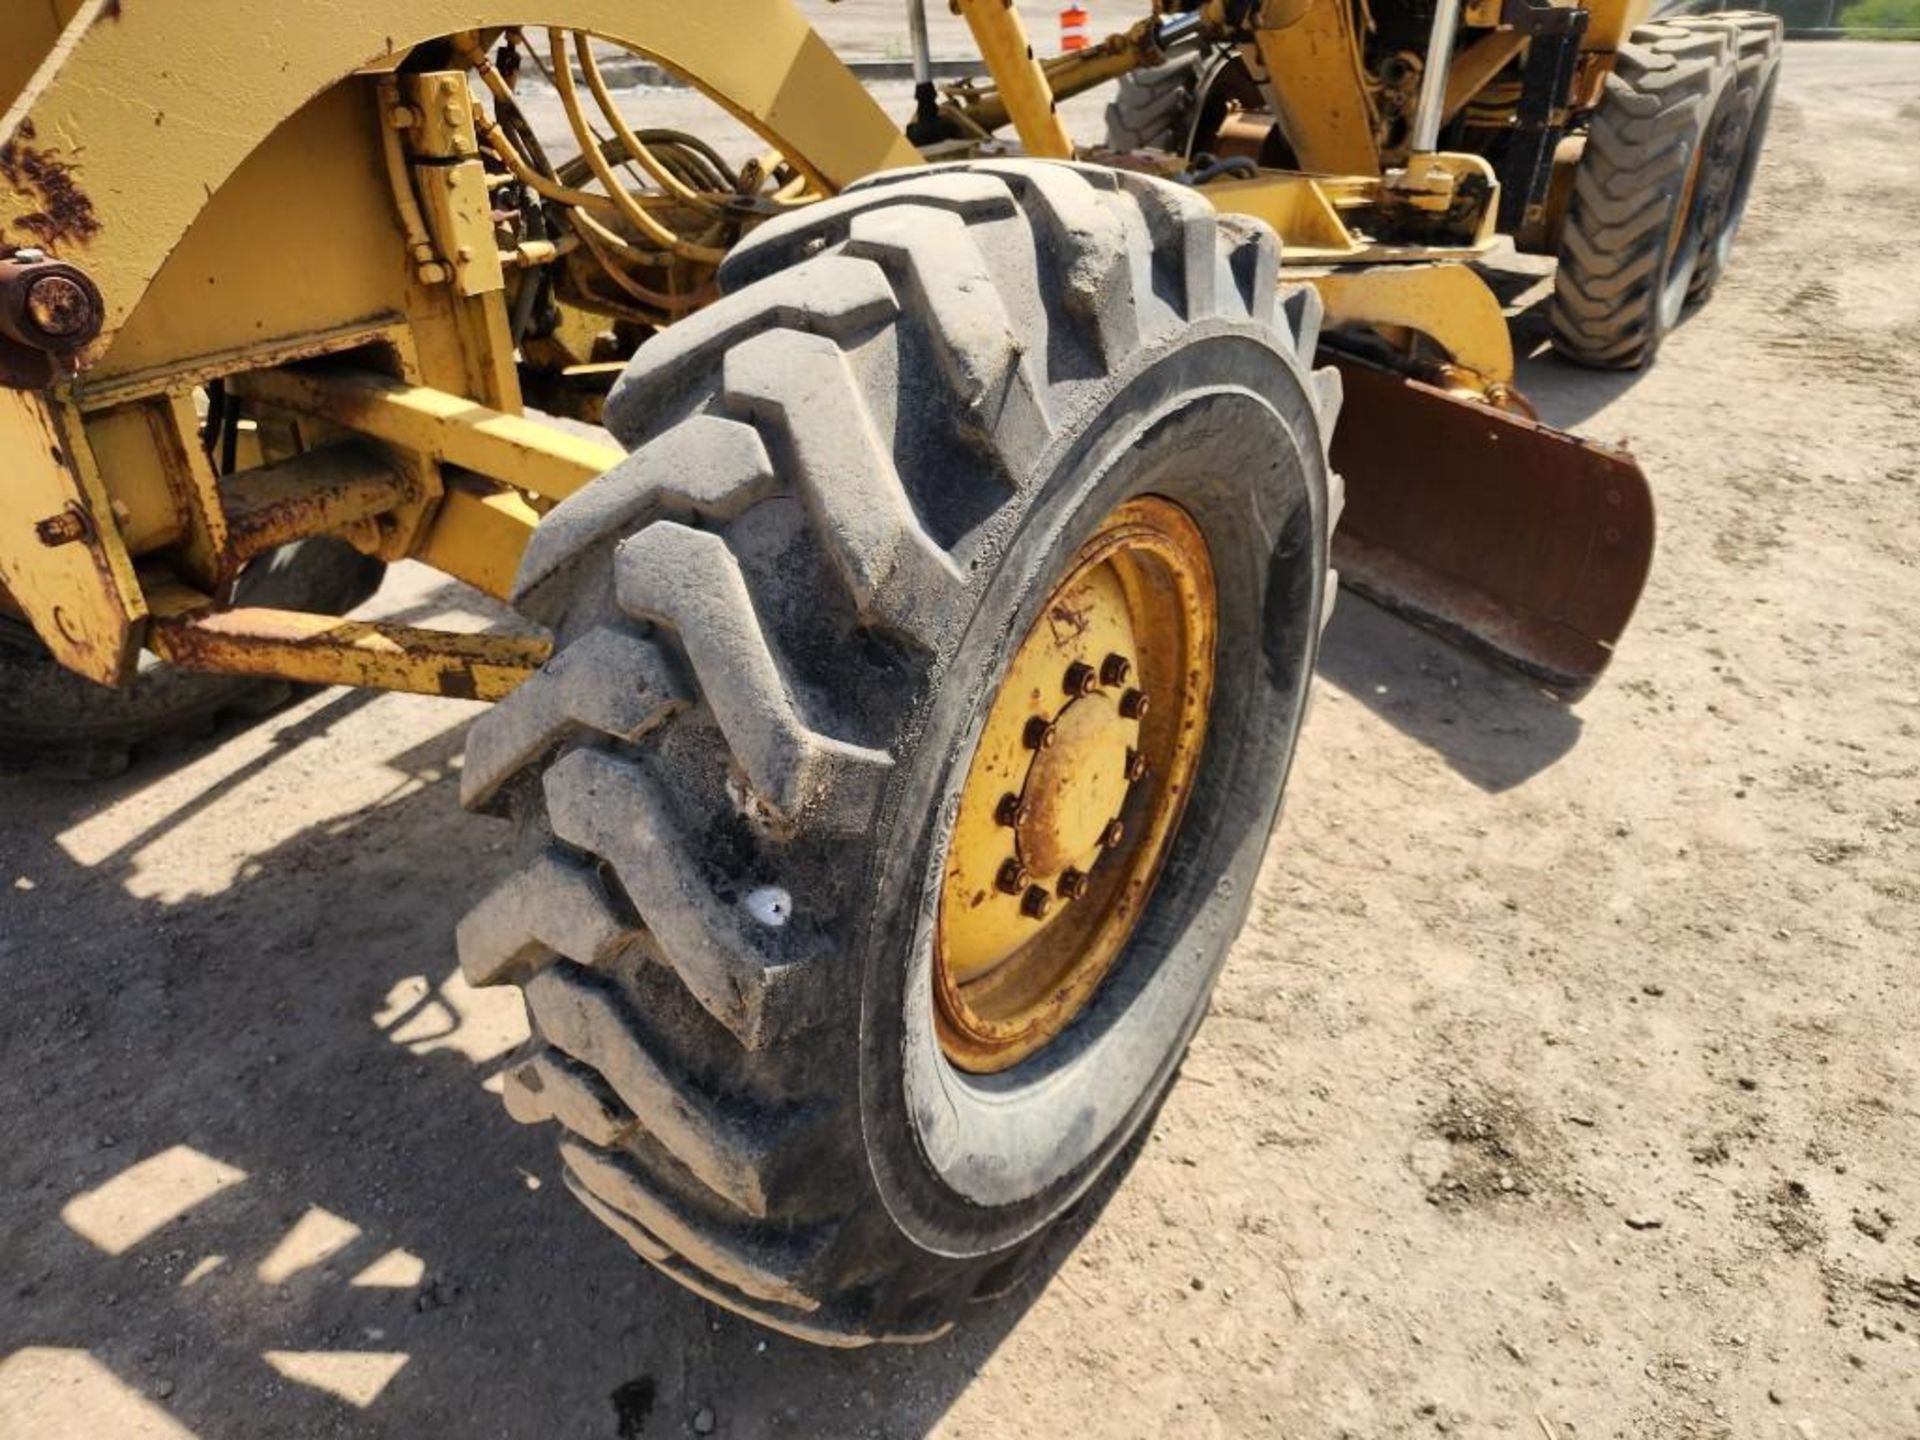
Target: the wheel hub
(1075, 787)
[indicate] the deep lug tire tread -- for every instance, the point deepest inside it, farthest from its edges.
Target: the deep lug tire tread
(1654, 112)
(1152, 108)
(678, 1035)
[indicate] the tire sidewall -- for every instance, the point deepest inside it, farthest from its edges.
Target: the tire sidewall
(1721, 249)
(969, 1164)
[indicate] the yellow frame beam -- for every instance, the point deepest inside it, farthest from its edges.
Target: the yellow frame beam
(1318, 89)
(1021, 80)
(449, 429)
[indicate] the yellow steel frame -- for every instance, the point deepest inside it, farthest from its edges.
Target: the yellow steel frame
(1443, 302)
(1021, 80)
(156, 149)
(1312, 57)
(174, 189)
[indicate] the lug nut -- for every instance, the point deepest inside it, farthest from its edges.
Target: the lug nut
(1133, 704)
(1035, 903)
(65, 528)
(1136, 767)
(1009, 812)
(1012, 878)
(1115, 669)
(1112, 835)
(1038, 734)
(1081, 679)
(1072, 884)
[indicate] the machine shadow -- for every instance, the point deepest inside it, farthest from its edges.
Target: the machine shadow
(301, 1036)
(1492, 725)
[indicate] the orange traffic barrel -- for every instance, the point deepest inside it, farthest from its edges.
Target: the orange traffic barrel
(1074, 28)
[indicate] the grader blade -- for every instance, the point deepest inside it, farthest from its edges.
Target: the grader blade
(1506, 534)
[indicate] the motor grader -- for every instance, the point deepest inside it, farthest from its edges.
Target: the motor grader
(920, 628)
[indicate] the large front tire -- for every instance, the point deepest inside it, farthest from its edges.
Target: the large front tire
(782, 623)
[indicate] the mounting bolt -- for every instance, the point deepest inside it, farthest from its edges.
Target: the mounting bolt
(1038, 734)
(1133, 704)
(1081, 679)
(1112, 835)
(1115, 669)
(1072, 884)
(1012, 878)
(65, 528)
(1035, 903)
(1136, 767)
(59, 307)
(1009, 812)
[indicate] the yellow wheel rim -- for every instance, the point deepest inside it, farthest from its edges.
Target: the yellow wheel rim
(1076, 787)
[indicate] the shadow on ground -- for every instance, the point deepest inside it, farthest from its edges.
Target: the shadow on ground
(253, 1185)
(1491, 724)
(1564, 394)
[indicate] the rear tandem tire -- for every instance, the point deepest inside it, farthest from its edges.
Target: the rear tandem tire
(1153, 107)
(1638, 223)
(854, 480)
(1757, 38)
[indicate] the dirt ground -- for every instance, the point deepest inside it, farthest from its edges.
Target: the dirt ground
(1566, 1082)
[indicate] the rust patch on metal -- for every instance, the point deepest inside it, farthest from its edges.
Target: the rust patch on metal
(22, 368)
(65, 213)
(323, 650)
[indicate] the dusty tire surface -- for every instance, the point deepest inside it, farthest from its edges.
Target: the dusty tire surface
(52, 720)
(779, 624)
(1153, 108)
(1632, 242)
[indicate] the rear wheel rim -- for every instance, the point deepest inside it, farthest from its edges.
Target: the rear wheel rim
(1076, 787)
(1703, 203)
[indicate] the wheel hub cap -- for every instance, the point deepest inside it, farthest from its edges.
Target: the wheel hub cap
(1076, 787)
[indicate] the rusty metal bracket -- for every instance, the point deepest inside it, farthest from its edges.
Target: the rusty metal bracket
(324, 650)
(324, 491)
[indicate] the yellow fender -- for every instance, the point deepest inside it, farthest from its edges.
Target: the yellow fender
(142, 111)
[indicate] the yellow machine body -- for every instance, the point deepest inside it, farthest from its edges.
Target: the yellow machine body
(290, 207)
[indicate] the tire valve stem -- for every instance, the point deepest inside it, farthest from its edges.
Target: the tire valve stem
(1035, 903)
(1133, 704)
(1072, 884)
(1115, 670)
(1012, 878)
(1081, 679)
